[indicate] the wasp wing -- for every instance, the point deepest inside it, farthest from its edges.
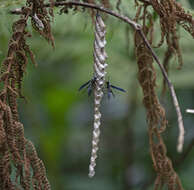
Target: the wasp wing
(89, 89)
(112, 93)
(117, 88)
(109, 92)
(84, 85)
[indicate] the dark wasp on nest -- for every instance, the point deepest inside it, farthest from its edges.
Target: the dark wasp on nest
(90, 85)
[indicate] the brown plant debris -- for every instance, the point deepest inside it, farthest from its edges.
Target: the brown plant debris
(52, 3)
(40, 19)
(172, 13)
(17, 155)
(147, 20)
(106, 3)
(156, 118)
(92, 11)
(118, 5)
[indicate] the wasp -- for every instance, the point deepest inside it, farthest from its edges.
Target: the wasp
(110, 91)
(90, 85)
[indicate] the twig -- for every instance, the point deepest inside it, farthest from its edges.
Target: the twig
(135, 25)
(190, 110)
(138, 28)
(173, 94)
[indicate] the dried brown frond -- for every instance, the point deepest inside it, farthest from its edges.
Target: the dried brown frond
(172, 13)
(106, 3)
(13, 153)
(52, 3)
(144, 16)
(156, 118)
(118, 5)
(39, 179)
(184, 18)
(89, 1)
(5, 171)
(65, 9)
(2, 132)
(138, 13)
(167, 57)
(40, 19)
(92, 11)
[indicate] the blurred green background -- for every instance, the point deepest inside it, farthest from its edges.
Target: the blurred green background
(58, 118)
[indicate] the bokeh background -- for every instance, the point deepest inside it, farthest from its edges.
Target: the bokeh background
(58, 118)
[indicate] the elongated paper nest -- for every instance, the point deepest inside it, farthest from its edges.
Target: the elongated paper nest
(99, 74)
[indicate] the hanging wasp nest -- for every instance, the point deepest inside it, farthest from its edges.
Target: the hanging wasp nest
(18, 154)
(99, 74)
